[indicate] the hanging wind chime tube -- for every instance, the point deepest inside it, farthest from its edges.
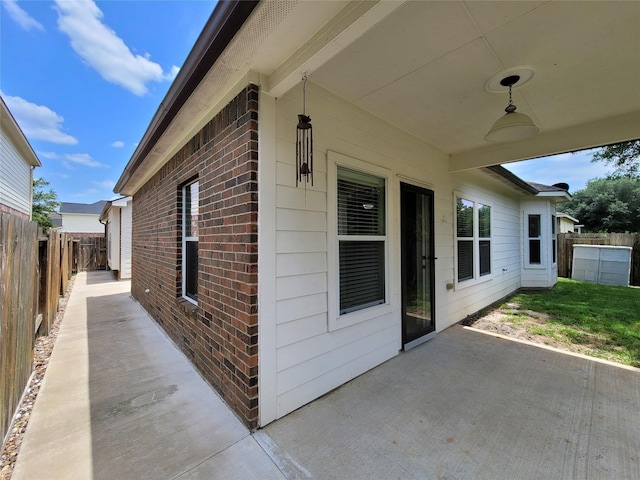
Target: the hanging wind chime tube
(304, 141)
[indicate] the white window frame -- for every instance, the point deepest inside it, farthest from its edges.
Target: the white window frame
(335, 319)
(543, 242)
(554, 239)
(477, 278)
(185, 239)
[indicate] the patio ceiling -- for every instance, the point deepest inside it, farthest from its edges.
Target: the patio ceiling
(422, 66)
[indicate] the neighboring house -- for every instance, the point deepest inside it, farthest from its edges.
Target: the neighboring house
(116, 215)
(280, 290)
(17, 161)
(568, 224)
(82, 219)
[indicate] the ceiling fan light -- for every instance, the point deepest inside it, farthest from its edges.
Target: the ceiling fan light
(511, 127)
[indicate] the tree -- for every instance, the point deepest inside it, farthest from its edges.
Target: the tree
(624, 156)
(607, 205)
(44, 203)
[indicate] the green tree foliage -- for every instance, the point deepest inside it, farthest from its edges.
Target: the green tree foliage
(624, 156)
(45, 202)
(607, 205)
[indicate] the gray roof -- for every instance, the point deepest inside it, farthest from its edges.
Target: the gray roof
(84, 208)
(530, 187)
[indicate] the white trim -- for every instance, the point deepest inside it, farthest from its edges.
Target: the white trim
(186, 239)
(267, 319)
(335, 320)
(477, 278)
(543, 243)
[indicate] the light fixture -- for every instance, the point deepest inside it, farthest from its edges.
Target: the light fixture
(513, 125)
(304, 141)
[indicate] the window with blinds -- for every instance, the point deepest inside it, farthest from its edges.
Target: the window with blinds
(473, 239)
(361, 239)
(465, 229)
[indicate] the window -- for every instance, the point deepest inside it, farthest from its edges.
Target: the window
(361, 239)
(534, 237)
(473, 239)
(190, 216)
(554, 240)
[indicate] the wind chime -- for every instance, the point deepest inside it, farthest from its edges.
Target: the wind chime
(304, 141)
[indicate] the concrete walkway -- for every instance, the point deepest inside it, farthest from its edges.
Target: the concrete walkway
(119, 401)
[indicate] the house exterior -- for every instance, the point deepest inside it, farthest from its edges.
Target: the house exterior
(116, 216)
(82, 219)
(280, 285)
(568, 224)
(17, 161)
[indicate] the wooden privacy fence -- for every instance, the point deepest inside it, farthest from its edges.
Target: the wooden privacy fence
(566, 241)
(34, 271)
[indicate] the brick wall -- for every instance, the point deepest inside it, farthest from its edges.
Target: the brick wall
(220, 335)
(12, 211)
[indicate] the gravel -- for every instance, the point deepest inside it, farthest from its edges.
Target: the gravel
(41, 353)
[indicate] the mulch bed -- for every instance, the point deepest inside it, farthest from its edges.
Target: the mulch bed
(41, 353)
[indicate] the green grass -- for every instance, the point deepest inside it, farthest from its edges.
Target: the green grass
(604, 319)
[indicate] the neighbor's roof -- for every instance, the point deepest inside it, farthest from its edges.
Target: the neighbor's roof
(83, 208)
(567, 216)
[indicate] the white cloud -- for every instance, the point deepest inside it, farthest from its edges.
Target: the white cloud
(117, 144)
(105, 184)
(104, 51)
(38, 122)
(21, 17)
(83, 159)
(49, 155)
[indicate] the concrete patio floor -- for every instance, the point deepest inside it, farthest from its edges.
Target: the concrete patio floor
(119, 401)
(470, 405)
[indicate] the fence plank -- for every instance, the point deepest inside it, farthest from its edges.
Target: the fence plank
(18, 310)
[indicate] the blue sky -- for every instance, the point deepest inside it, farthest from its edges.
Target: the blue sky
(83, 79)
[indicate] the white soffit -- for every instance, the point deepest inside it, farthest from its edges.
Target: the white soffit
(424, 68)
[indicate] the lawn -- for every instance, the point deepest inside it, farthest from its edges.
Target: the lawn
(596, 320)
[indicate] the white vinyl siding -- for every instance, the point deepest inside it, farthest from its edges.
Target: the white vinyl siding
(125, 240)
(81, 223)
(308, 348)
(15, 177)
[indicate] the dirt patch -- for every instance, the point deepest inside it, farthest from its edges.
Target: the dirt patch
(510, 320)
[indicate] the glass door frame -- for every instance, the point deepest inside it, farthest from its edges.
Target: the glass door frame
(411, 342)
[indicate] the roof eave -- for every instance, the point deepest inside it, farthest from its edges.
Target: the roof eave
(223, 24)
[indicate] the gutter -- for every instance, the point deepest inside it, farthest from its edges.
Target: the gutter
(503, 172)
(223, 24)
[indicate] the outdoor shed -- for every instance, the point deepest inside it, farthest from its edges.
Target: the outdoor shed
(316, 195)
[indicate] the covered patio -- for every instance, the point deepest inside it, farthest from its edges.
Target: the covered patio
(469, 405)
